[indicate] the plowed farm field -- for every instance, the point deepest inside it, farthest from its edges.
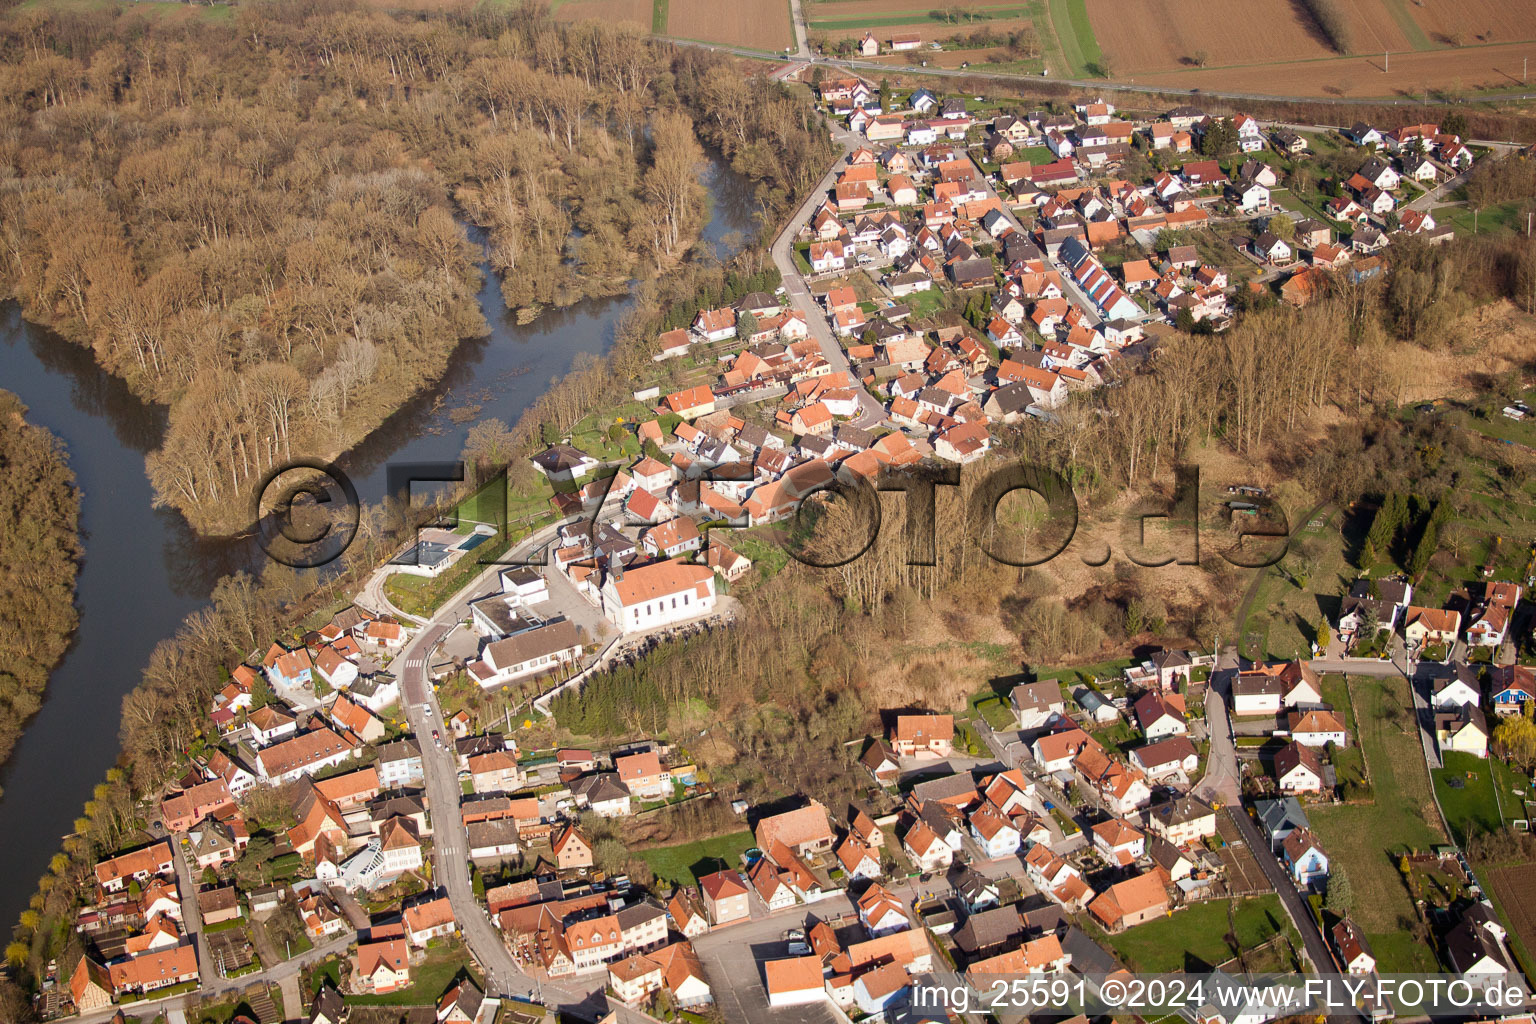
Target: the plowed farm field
(1472, 68)
(1273, 47)
(1464, 22)
(759, 24)
(1516, 889)
(1157, 35)
(634, 12)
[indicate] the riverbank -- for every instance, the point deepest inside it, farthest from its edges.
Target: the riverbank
(39, 562)
(145, 569)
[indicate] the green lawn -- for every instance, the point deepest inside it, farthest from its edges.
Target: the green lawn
(684, 863)
(993, 710)
(1349, 763)
(1075, 31)
(924, 304)
(429, 980)
(1366, 839)
(1495, 220)
(1476, 806)
(487, 505)
(1195, 934)
(659, 17)
(1119, 736)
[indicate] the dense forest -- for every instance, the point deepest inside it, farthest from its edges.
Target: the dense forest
(39, 557)
(256, 222)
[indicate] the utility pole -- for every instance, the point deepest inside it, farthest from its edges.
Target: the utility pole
(1386, 57)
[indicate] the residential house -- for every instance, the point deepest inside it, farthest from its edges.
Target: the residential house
(429, 920)
(1512, 686)
(1259, 691)
(572, 849)
(805, 831)
(1461, 687)
(1304, 858)
(304, 754)
(1473, 950)
(1464, 729)
(1183, 820)
(1129, 903)
(1298, 769)
(726, 897)
(1118, 842)
(644, 775)
(1158, 718)
(687, 913)
(881, 913)
(1422, 626)
(1317, 728)
(923, 736)
(1353, 949)
(1037, 705)
(1278, 818)
(381, 967)
(1174, 759)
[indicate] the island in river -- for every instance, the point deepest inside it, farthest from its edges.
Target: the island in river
(39, 560)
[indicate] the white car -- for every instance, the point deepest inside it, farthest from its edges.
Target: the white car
(426, 709)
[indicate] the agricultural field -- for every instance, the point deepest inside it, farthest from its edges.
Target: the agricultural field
(1367, 838)
(947, 23)
(1264, 47)
(1144, 36)
(758, 24)
(613, 12)
(1464, 22)
(1514, 890)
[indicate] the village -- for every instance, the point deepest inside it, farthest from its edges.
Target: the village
(346, 833)
(1044, 838)
(1064, 271)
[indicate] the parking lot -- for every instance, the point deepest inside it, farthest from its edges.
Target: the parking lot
(732, 958)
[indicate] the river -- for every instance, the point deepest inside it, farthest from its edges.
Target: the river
(145, 569)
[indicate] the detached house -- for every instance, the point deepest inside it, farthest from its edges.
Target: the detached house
(1430, 626)
(1037, 705)
(1317, 728)
(1298, 769)
(1513, 686)
(1304, 858)
(1129, 903)
(923, 736)
(1464, 729)
(1158, 718)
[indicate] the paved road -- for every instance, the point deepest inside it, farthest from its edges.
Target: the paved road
(504, 977)
(1222, 782)
(191, 916)
(1301, 914)
(871, 413)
